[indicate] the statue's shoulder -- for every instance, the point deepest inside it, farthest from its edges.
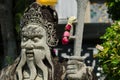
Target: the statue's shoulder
(8, 72)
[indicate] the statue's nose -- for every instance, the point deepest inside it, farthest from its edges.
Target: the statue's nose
(29, 45)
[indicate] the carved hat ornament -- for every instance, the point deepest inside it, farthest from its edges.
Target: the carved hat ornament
(44, 16)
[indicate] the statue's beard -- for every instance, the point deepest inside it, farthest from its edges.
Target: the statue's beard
(32, 58)
(31, 64)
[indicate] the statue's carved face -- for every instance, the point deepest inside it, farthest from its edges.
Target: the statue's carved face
(34, 50)
(33, 37)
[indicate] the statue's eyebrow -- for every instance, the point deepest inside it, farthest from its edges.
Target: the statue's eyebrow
(32, 36)
(24, 36)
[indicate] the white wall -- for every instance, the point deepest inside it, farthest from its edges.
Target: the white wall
(65, 9)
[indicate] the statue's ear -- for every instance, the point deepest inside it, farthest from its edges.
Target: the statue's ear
(52, 39)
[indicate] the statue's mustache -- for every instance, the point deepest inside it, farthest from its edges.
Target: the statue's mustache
(29, 53)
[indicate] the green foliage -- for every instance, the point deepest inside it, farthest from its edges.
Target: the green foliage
(114, 9)
(109, 56)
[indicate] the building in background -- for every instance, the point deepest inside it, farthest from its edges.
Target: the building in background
(96, 11)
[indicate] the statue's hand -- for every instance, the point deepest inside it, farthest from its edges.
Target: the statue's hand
(76, 68)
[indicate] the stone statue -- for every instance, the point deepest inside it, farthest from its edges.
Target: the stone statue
(38, 36)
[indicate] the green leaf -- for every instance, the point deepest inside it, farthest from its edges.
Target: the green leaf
(115, 61)
(105, 67)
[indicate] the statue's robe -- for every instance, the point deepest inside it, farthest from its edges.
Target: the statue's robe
(59, 70)
(8, 72)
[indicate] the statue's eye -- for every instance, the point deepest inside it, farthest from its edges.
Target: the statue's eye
(24, 39)
(40, 36)
(36, 39)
